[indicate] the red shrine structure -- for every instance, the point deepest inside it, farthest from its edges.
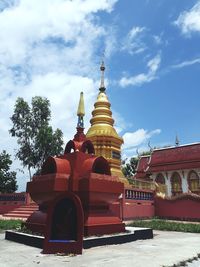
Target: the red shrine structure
(73, 193)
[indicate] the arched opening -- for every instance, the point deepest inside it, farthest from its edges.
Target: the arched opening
(87, 147)
(70, 147)
(64, 225)
(193, 182)
(101, 166)
(96, 165)
(56, 165)
(64, 221)
(160, 179)
(176, 184)
(160, 184)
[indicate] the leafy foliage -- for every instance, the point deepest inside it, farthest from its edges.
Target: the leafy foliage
(8, 183)
(35, 136)
(165, 225)
(10, 224)
(129, 168)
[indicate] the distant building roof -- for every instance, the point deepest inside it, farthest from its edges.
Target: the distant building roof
(169, 159)
(141, 167)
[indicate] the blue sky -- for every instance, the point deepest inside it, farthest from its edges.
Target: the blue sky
(166, 32)
(53, 48)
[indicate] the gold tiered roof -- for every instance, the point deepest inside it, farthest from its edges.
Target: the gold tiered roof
(102, 121)
(106, 141)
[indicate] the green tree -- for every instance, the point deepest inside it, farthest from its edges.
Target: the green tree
(35, 137)
(8, 183)
(129, 167)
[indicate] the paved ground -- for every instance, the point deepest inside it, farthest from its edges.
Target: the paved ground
(167, 248)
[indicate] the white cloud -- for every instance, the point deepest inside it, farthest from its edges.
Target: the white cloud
(154, 64)
(157, 39)
(120, 123)
(189, 21)
(142, 78)
(48, 48)
(185, 63)
(137, 138)
(133, 43)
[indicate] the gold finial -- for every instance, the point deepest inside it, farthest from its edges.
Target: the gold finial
(81, 111)
(102, 69)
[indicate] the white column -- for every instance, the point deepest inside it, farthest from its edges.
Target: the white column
(168, 183)
(183, 175)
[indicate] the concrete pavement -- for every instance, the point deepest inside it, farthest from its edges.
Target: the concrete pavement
(166, 249)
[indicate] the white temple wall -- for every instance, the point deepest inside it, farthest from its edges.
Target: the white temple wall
(184, 179)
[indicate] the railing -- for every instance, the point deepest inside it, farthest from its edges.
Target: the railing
(142, 184)
(138, 195)
(16, 197)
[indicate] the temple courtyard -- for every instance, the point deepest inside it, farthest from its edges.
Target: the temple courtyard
(165, 249)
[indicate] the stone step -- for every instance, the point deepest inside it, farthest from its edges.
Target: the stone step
(18, 216)
(25, 209)
(21, 212)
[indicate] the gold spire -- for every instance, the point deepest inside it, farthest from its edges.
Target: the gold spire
(102, 121)
(81, 107)
(106, 141)
(81, 111)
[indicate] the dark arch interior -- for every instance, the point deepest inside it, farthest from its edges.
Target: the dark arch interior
(70, 147)
(101, 166)
(160, 179)
(88, 147)
(64, 221)
(49, 166)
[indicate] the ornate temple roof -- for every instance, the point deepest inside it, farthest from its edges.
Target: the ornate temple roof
(143, 163)
(174, 158)
(169, 159)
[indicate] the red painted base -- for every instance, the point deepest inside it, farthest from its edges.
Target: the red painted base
(91, 230)
(66, 247)
(37, 222)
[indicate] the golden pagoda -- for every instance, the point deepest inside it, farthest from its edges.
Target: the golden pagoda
(106, 141)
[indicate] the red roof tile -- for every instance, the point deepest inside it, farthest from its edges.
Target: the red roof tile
(174, 158)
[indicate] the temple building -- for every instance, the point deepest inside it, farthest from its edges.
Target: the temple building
(175, 170)
(106, 141)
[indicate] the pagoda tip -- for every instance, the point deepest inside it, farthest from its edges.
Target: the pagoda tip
(81, 111)
(102, 69)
